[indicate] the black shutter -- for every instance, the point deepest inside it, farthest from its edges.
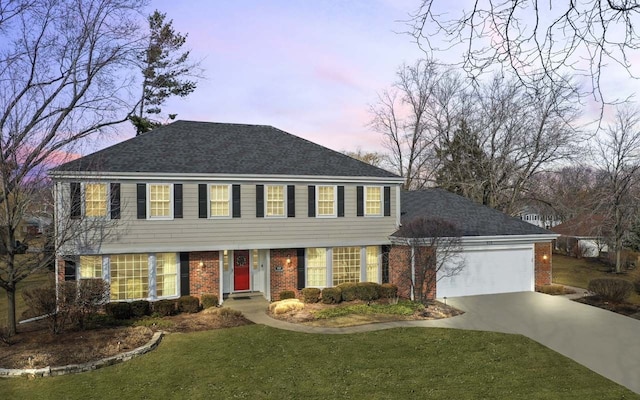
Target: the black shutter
(177, 200)
(291, 201)
(387, 201)
(115, 201)
(360, 201)
(312, 201)
(202, 200)
(69, 270)
(385, 263)
(184, 274)
(235, 194)
(301, 269)
(340, 201)
(76, 200)
(260, 201)
(142, 200)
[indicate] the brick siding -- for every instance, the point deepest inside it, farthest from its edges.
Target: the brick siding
(287, 279)
(204, 279)
(542, 266)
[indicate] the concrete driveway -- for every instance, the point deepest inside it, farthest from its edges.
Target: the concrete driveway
(603, 341)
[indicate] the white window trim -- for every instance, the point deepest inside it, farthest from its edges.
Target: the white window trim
(327, 265)
(83, 199)
(335, 201)
(171, 206)
(152, 277)
(266, 200)
(381, 213)
(230, 200)
(155, 277)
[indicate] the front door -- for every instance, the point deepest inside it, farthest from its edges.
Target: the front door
(240, 270)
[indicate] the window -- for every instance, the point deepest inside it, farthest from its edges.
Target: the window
(275, 201)
(326, 201)
(373, 253)
(225, 260)
(90, 267)
(316, 267)
(219, 201)
(95, 199)
(373, 200)
(160, 201)
(346, 265)
(166, 274)
(129, 276)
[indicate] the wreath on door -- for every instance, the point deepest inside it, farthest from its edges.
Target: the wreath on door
(241, 260)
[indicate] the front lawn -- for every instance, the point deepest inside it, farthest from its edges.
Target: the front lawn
(578, 272)
(31, 281)
(259, 362)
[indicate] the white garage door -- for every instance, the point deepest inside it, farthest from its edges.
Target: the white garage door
(491, 271)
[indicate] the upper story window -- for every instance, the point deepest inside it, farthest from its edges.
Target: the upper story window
(275, 205)
(373, 201)
(326, 199)
(219, 201)
(95, 200)
(160, 198)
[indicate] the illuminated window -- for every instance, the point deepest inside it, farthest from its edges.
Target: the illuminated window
(219, 201)
(275, 201)
(317, 267)
(160, 201)
(326, 201)
(129, 276)
(373, 253)
(95, 199)
(225, 260)
(254, 259)
(166, 274)
(373, 200)
(346, 265)
(90, 267)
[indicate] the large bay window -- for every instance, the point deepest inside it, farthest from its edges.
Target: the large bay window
(333, 266)
(160, 201)
(326, 201)
(95, 199)
(166, 274)
(129, 276)
(316, 267)
(275, 201)
(219, 201)
(346, 265)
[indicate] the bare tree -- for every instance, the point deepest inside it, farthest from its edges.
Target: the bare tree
(63, 78)
(372, 158)
(617, 152)
(532, 38)
(432, 250)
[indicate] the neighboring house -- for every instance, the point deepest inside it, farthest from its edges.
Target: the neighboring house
(583, 236)
(542, 217)
(208, 208)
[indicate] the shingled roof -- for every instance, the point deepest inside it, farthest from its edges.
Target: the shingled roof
(471, 218)
(189, 147)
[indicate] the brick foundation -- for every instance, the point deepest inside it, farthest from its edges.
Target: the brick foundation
(287, 279)
(542, 266)
(204, 279)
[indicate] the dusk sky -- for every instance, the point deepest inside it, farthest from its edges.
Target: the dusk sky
(311, 68)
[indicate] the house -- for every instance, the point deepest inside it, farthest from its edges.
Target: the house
(583, 236)
(544, 217)
(195, 208)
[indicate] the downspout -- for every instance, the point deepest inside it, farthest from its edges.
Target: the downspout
(413, 271)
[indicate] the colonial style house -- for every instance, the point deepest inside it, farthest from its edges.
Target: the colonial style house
(195, 208)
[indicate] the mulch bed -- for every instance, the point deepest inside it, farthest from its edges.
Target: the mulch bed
(627, 309)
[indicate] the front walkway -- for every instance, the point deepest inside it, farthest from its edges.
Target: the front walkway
(603, 341)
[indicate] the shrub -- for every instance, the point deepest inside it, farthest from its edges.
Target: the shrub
(287, 294)
(224, 312)
(636, 285)
(551, 289)
(188, 304)
(284, 306)
(331, 295)
(311, 295)
(367, 291)
(209, 300)
(164, 307)
(388, 291)
(611, 289)
(349, 291)
(140, 308)
(119, 310)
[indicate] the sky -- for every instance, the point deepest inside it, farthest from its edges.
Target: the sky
(311, 68)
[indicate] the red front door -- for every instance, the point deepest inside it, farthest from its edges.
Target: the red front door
(241, 270)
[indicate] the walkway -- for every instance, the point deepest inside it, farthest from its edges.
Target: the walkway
(604, 342)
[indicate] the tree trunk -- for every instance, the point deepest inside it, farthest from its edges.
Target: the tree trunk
(11, 311)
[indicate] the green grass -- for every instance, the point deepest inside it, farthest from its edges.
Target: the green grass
(30, 281)
(402, 308)
(258, 362)
(578, 272)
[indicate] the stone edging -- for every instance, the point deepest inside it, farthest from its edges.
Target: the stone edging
(76, 368)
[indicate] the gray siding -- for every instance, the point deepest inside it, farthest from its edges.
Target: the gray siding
(248, 232)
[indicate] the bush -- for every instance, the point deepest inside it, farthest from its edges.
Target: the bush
(311, 295)
(287, 294)
(140, 308)
(209, 300)
(611, 289)
(636, 285)
(551, 289)
(164, 307)
(388, 291)
(349, 291)
(284, 306)
(367, 291)
(188, 304)
(331, 295)
(119, 310)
